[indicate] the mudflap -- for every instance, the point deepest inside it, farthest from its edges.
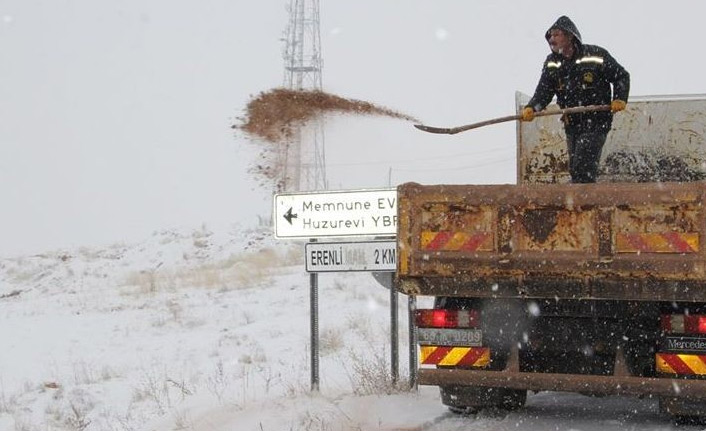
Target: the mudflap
(684, 410)
(500, 334)
(471, 399)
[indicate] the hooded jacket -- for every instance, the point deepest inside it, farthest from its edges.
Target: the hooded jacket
(590, 77)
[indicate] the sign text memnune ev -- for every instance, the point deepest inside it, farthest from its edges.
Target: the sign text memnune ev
(336, 214)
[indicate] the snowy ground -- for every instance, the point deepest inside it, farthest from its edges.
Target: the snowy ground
(210, 331)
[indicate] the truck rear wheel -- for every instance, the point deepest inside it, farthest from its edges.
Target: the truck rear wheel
(471, 399)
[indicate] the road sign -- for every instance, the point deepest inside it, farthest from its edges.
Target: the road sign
(351, 256)
(336, 213)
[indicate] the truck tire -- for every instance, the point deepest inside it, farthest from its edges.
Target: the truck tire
(471, 399)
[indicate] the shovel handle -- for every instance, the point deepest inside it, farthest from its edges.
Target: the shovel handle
(459, 129)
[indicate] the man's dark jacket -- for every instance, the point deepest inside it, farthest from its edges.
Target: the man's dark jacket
(583, 80)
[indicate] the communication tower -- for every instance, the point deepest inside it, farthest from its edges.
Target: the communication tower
(304, 158)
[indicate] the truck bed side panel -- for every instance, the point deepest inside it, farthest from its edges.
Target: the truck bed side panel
(619, 241)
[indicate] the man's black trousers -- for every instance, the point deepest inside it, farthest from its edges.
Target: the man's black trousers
(584, 154)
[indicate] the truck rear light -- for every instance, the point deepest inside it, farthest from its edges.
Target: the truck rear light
(684, 323)
(442, 318)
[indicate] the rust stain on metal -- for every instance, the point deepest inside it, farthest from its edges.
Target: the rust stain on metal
(548, 161)
(443, 269)
(539, 223)
(653, 218)
(599, 385)
(456, 217)
(557, 229)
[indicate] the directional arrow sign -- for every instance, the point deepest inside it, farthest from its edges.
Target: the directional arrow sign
(345, 213)
(289, 216)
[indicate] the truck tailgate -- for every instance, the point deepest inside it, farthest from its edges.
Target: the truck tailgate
(637, 241)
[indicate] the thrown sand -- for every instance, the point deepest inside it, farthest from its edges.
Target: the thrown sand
(274, 115)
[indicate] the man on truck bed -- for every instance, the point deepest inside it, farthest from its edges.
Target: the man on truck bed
(580, 75)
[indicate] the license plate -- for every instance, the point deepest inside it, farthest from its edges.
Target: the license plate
(450, 337)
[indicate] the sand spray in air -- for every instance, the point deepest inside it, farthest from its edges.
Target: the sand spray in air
(273, 117)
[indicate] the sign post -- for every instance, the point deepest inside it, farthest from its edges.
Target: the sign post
(342, 214)
(314, 325)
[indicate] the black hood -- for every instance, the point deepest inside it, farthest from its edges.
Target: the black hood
(565, 24)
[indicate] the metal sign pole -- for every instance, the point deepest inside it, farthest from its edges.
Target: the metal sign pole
(394, 336)
(411, 309)
(314, 324)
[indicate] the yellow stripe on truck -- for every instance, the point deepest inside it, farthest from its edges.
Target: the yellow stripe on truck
(668, 242)
(454, 356)
(680, 364)
(695, 363)
(451, 356)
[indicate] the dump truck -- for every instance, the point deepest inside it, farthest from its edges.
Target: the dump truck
(544, 285)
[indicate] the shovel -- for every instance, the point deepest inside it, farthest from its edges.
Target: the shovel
(459, 129)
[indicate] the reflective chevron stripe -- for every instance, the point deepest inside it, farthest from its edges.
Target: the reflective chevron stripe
(682, 364)
(457, 241)
(668, 242)
(463, 356)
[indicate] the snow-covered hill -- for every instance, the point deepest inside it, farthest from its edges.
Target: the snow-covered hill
(181, 323)
(207, 330)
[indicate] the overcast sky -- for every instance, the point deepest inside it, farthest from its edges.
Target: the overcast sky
(115, 115)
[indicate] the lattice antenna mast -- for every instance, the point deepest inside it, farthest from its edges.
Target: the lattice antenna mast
(304, 159)
(303, 50)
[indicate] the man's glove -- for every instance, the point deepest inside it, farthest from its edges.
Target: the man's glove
(617, 105)
(528, 114)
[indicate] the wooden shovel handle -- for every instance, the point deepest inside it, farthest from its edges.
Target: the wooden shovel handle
(459, 129)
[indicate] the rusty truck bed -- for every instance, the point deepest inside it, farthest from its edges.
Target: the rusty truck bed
(634, 241)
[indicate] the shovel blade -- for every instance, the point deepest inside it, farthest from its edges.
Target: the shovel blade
(430, 129)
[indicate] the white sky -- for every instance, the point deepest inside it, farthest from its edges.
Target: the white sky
(114, 116)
